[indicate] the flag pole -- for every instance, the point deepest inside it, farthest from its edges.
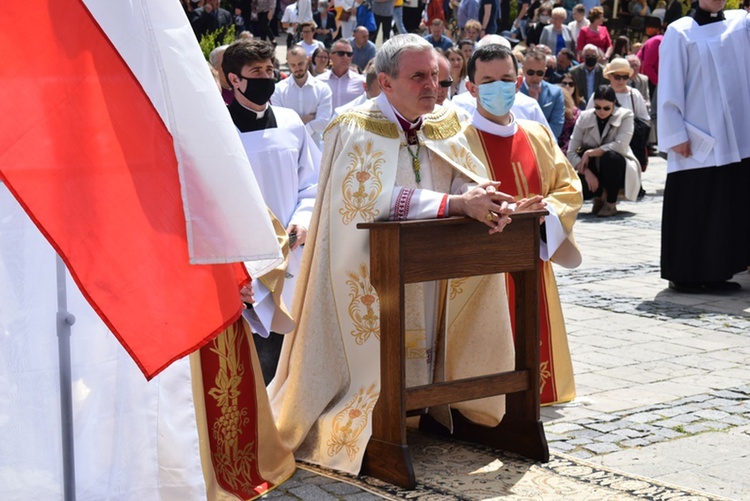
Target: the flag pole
(64, 321)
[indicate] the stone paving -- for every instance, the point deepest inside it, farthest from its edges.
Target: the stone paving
(663, 379)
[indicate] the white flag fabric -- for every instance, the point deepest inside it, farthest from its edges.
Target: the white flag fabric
(134, 440)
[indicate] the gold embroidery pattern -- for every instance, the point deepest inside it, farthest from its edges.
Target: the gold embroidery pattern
(350, 422)
(441, 124)
(234, 465)
(456, 287)
(370, 121)
(464, 158)
(362, 184)
(544, 375)
(363, 296)
(415, 345)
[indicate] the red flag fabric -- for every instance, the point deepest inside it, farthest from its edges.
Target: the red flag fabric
(88, 156)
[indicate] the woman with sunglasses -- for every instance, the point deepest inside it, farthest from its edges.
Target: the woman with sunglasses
(618, 72)
(319, 61)
(599, 150)
(573, 106)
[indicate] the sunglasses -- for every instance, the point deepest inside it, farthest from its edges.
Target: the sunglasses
(446, 83)
(620, 77)
(343, 53)
(531, 73)
(602, 108)
(569, 84)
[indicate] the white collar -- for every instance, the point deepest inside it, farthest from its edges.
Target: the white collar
(493, 128)
(258, 114)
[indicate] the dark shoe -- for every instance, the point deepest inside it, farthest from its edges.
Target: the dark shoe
(598, 204)
(607, 210)
(641, 193)
(704, 287)
(723, 286)
(687, 287)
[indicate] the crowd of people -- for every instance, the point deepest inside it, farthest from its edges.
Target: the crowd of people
(429, 126)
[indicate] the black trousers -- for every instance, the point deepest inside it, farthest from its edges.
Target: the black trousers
(269, 351)
(385, 22)
(609, 169)
(264, 29)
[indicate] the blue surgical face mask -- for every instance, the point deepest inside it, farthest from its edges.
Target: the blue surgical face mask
(497, 97)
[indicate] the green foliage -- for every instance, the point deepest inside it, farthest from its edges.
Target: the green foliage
(213, 39)
(513, 11)
(732, 4)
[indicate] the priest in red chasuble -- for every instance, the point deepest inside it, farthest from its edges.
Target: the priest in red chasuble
(524, 156)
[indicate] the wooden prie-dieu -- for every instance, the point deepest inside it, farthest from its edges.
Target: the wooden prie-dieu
(421, 251)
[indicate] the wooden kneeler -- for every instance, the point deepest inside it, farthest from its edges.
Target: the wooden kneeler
(421, 251)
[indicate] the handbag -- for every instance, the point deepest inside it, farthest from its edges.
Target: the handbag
(639, 141)
(366, 18)
(345, 15)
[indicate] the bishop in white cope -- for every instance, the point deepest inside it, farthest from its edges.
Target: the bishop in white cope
(390, 158)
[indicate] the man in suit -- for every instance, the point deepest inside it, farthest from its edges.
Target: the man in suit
(325, 20)
(549, 96)
(589, 76)
(210, 18)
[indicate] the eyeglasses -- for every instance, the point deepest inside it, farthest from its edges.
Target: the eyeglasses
(531, 73)
(602, 108)
(569, 84)
(446, 83)
(306, 32)
(321, 56)
(343, 53)
(620, 77)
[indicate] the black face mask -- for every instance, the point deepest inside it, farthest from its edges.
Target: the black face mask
(590, 61)
(259, 90)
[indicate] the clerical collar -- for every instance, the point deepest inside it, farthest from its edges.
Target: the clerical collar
(703, 17)
(490, 127)
(248, 120)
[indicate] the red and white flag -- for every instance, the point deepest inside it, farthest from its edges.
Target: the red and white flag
(115, 140)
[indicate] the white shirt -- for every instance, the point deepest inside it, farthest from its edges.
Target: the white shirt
(575, 28)
(290, 16)
(309, 49)
(345, 88)
(313, 97)
(704, 74)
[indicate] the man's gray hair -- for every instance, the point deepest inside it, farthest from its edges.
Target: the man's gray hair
(213, 56)
(590, 46)
(387, 58)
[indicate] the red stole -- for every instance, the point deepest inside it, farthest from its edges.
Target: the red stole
(513, 162)
(232, 412)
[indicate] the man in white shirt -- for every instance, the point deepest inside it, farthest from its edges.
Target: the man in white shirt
(345, 83)
(305, 94)
(289, 22)
(372, 89)
(308, 42)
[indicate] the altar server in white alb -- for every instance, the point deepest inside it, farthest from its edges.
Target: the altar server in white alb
(286, 166)
(704, 126)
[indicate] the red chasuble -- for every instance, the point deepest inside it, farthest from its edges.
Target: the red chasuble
(513, 162)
